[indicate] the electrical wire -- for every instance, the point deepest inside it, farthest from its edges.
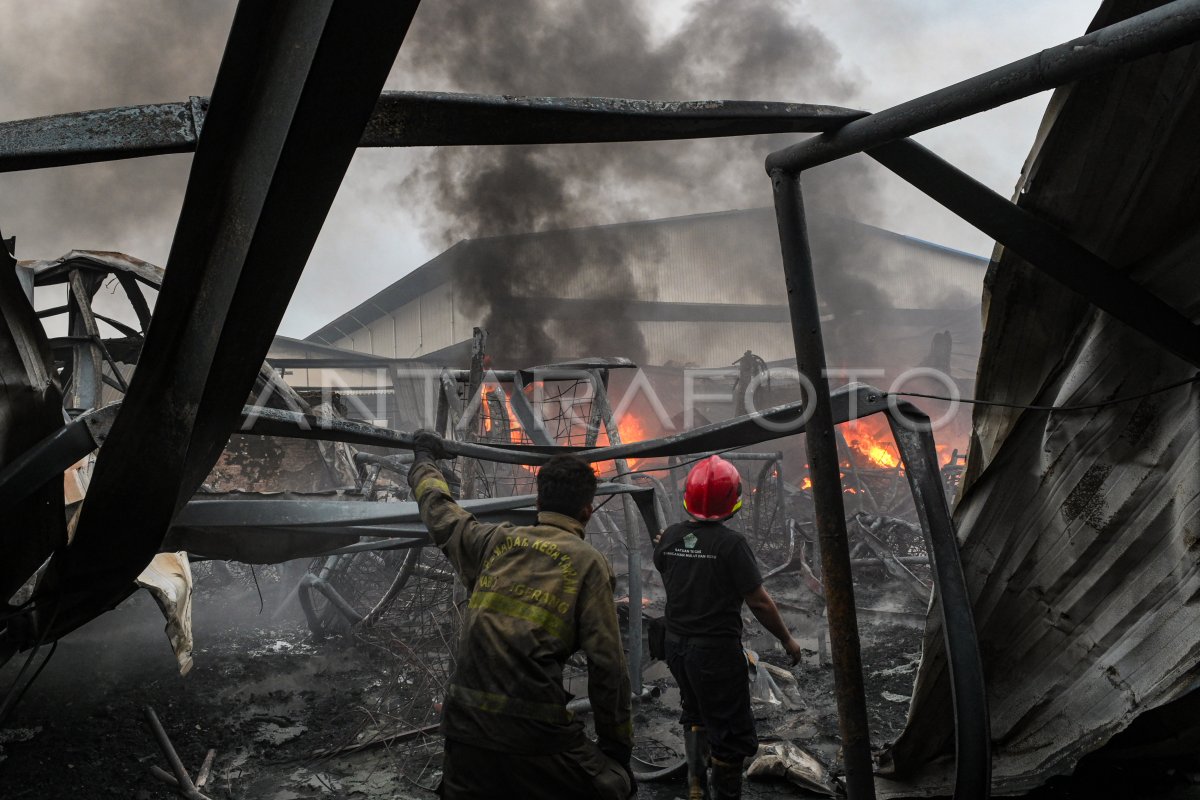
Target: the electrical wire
(1085, 407)
(254, 575)
(32, 680)
(12, 696)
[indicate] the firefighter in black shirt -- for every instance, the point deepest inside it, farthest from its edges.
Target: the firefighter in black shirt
(708, 571)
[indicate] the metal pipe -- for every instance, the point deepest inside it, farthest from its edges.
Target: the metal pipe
(310, 582)
(1156, 31)
(186, 787)
(825, 473)
(407, 119)
(775, 456)
(583, 705)
(760, 489)
(632, 540)
(464, 375)
(1044, 246)
(968, 693)
(879, 562)
(398, 583)
(780, 497)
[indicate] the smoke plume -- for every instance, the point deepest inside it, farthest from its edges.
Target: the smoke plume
(68, 55)
(61, 56)
(755, 49)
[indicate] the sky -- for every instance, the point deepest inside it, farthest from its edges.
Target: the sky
(70, 55)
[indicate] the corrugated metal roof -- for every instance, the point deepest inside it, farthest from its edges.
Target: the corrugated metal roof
(1080, 530)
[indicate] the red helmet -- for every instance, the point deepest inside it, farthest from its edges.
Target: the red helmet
(713, 490)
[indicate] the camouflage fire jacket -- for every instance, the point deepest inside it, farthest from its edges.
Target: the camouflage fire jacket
(537, 595)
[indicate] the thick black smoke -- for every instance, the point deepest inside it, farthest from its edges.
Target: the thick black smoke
(61, 56)
(753, 49)
(71, 55)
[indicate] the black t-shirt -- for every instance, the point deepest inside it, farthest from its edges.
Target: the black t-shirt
(707, 569)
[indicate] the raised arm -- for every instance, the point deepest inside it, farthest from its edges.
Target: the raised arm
(454, 529)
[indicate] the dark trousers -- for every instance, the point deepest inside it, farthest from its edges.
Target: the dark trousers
(475, 773)
(714, 691)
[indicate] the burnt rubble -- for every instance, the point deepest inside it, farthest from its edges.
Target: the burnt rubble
(1049, 617)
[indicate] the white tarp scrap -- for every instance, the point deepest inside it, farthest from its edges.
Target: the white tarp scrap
(792, 763)
(168, 578)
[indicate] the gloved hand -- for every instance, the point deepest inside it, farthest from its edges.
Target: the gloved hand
(428, 447)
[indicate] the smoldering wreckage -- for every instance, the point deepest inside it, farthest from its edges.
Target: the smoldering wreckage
(1056, 599)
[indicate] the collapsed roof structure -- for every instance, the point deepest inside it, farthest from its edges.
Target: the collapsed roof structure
(1077, 522)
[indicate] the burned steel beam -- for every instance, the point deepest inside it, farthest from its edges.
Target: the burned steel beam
(1158, 30)
(272, 530)
(68, 444)
(410, 119)
(49, 273)
(439, 118)
(632, 548)
(108, 134)
(825, 472)
(30, 409)
(87, 359)
(968, 693)
(296, 86)
(849, 402)
(1044, 246)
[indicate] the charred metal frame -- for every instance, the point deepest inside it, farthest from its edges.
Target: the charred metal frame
(825, 473)
(85, 351)
(319, 67)
(882, 136)
(293, 93)
(413, 119)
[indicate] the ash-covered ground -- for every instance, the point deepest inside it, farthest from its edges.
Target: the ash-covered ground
(269, 698)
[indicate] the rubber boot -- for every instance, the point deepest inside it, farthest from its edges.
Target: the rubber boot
(726, 780)
(695, 747)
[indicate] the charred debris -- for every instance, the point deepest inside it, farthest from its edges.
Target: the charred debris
(1056, 600)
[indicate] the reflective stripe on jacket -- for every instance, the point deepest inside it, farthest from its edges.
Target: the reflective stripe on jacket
(537, 594)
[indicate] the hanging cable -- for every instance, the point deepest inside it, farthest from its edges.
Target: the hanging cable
(1084, 407)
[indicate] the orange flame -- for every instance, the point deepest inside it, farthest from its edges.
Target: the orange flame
(629, 429)
(486, 413)
(876, 446)
(945, 453)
